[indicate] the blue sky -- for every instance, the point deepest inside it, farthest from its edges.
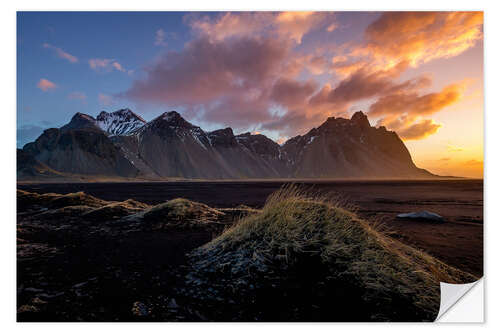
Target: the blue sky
(419, 74)
(127, 38)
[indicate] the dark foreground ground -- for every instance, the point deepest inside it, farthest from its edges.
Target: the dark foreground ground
(132, 274)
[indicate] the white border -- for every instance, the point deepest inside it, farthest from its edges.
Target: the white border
(7, 132)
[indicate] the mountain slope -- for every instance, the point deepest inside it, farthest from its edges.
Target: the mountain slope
(79, 148)
(170, 146)
(122, 144)
(349, 148)
(28, 167)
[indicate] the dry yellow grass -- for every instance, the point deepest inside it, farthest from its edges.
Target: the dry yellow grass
(295, 227)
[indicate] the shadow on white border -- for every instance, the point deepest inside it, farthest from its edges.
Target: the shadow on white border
(462, 303)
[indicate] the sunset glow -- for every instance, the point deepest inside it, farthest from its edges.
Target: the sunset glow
(275, 73)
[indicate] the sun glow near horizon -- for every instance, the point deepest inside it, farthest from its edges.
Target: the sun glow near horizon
(419, 74)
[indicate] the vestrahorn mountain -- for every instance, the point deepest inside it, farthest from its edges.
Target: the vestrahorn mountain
(121, 144)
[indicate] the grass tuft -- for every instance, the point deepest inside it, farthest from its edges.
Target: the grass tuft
(307, 240)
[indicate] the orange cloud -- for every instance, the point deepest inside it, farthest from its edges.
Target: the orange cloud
(452, 148)
(412, 104)
(344, 67)
(419, 130)
(401, 111)
(419, 37)
(296, 24)
(241, 67)
(46, 85)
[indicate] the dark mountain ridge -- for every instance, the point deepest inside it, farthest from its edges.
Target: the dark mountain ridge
(122, 144)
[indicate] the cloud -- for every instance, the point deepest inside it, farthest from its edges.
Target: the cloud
(229, 79)
(104, 99)
(419, 37)
(474, 163)
(106, 65)
(413, 104)
(296, 24)
(291, 93)
(160, 38)
(258, 70)
(61, 53)
(453, 148)
(332, 27)
(46, 85)
(403, 110)
(287, 25)
(419, 130)
(360, 85)
(78, 95)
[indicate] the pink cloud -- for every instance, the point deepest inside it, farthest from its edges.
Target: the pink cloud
(220, 76)
(46, 85)
(61, 53)
(284, 25)
(250, 69)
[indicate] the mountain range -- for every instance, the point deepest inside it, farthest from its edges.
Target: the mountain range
(121, 144)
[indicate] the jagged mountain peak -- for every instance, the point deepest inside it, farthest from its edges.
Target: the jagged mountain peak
(172, 119)
(361, 119)
(170, 146)
(125, 113)
(120, 122)
(80, 121)
(228, 131)
(170, 115)
(80, 115)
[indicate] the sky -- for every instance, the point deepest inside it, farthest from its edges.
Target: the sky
(419, 74)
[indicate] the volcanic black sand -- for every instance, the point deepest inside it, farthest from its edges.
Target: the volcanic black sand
(117, 272)
(458, 241)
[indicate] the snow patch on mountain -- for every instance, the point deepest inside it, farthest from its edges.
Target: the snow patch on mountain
(121, 122)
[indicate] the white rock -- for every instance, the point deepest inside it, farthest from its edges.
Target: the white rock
(426, 215)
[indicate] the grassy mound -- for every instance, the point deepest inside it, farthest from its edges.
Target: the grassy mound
(64, 212)
(76, 199)
(116, 210)
(33, 201)
(181, 213)
(29, 200)
(304, 259)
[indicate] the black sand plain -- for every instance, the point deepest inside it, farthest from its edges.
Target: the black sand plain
(103, 277)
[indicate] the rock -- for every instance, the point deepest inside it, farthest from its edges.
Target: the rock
(140, 309)
(422, 215)
(27, 308)
(172, 304)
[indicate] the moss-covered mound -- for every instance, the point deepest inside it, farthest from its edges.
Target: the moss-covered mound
(306, 259)
(181, 213)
